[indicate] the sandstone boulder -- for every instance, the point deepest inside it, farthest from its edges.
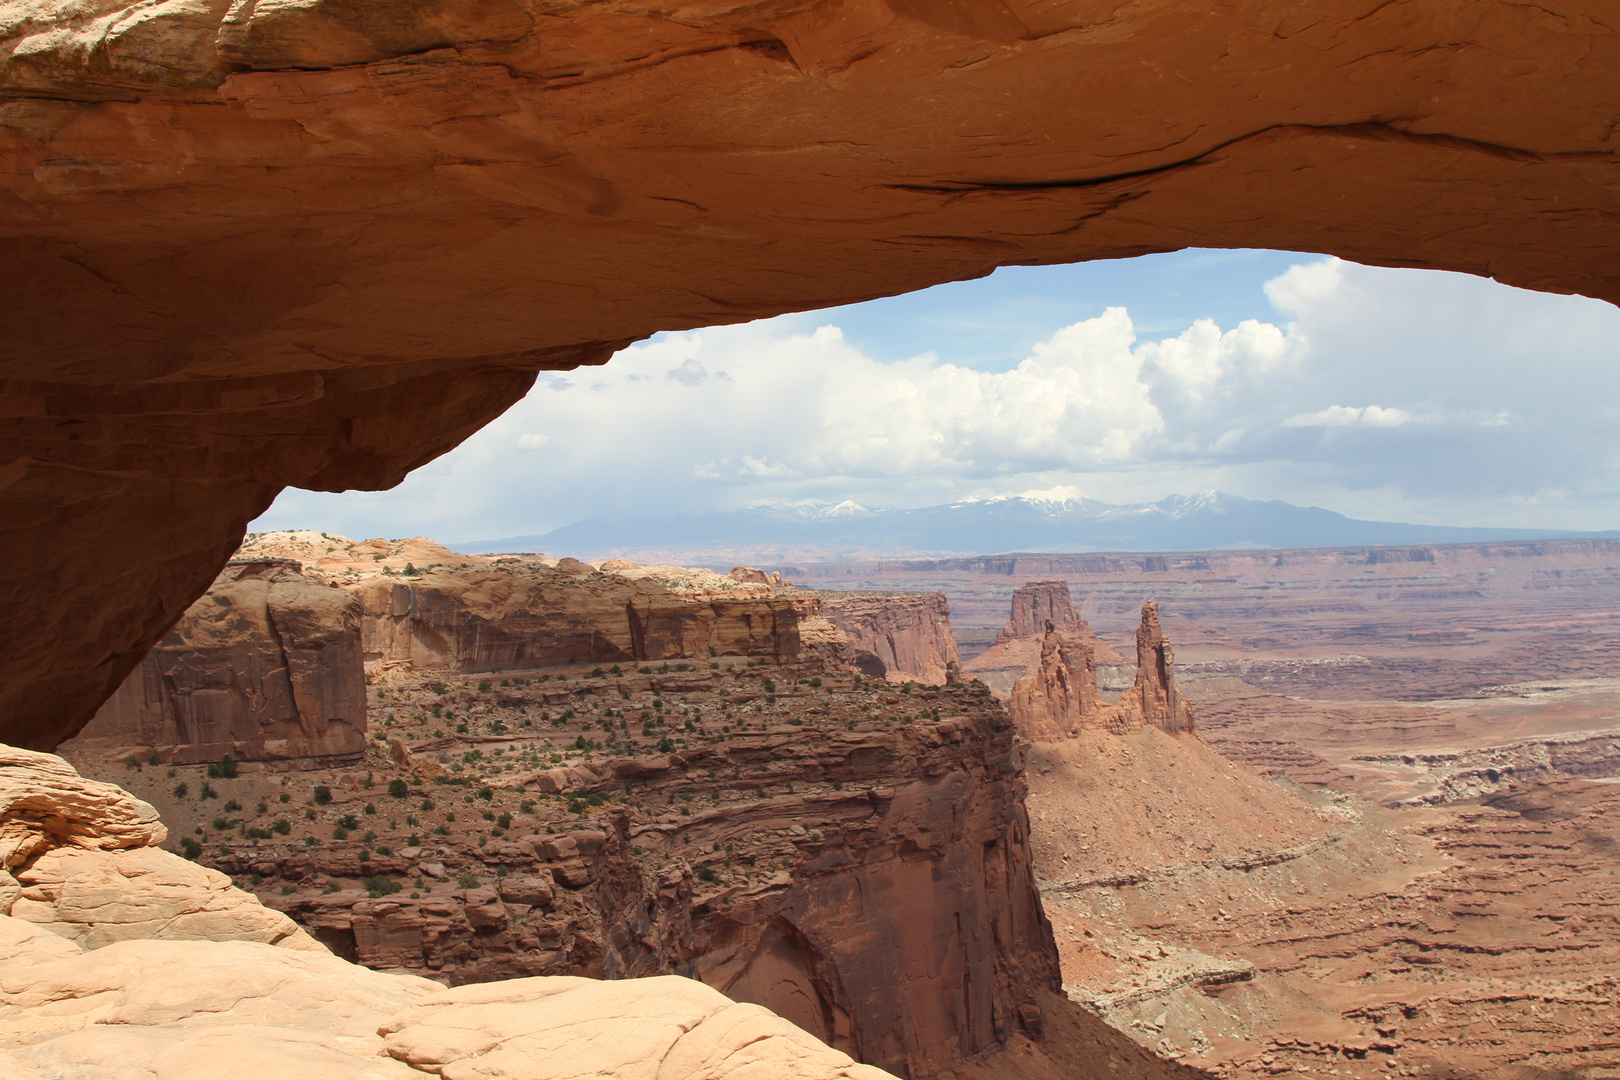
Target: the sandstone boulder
(96, 898)
(78, 858)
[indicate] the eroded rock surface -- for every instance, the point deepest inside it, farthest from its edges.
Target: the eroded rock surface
(900, 638)
(78, 858)
(837, 852)
(306, 244)
(1058, 697)
(145, 964)
(267, 664)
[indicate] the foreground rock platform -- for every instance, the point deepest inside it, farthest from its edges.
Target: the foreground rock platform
(304, 243)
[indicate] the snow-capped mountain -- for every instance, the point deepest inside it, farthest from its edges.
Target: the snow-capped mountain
(1059, 520)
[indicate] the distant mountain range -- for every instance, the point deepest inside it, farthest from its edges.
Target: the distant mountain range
(803, 532)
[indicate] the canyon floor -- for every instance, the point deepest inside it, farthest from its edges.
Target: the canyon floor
(1427, 879)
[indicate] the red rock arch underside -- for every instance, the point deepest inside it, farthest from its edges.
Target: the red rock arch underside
(268, 243)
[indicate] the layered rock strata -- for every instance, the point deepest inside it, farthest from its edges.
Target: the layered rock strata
(172, 971)
(266, 665)
(1040, 607)
(850, 855)
(525, 615)
(428, 606)
(902, 638)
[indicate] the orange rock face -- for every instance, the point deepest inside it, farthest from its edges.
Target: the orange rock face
(1054, 700)
(899, 638)
(266, 665)
(501, 618)
(307, 244)
(1058, 699)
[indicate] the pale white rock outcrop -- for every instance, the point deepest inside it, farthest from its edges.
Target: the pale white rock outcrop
(79, 857)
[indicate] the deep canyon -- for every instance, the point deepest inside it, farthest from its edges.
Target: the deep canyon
(632, 770)
(263, 244)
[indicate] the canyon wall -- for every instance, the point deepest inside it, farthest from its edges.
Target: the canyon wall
(835, 837)
(528, 615)
(100, 924)
(898, 637)
(266, 665)
(305, 244)
(854, 857)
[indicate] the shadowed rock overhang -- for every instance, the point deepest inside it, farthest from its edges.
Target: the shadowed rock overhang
(319, 242)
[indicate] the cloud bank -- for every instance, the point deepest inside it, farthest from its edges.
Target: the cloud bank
(1404, 394)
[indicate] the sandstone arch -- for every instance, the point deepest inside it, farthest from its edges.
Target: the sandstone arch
(250, 245)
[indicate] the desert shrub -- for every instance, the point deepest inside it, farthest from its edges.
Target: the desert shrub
(225, 768)
(706, 874)
(486, 794)
(398, 788)
(381, 885)
(323, 794)
(189, 847)
(468, 881)
(340, 833)
(281, 826)
(180, 790)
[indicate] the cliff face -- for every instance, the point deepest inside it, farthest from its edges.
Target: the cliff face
(518, 615)
(850, 855)
(1054, 700)
(200, 973)
(1039, 607)
(266, 665)
(900, 638)
(309, 243)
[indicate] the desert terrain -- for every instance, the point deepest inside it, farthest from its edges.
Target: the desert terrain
(1393, 848)
(1247, 848)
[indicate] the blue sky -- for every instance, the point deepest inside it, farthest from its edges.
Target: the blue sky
(993, 322)
(1394, 394)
